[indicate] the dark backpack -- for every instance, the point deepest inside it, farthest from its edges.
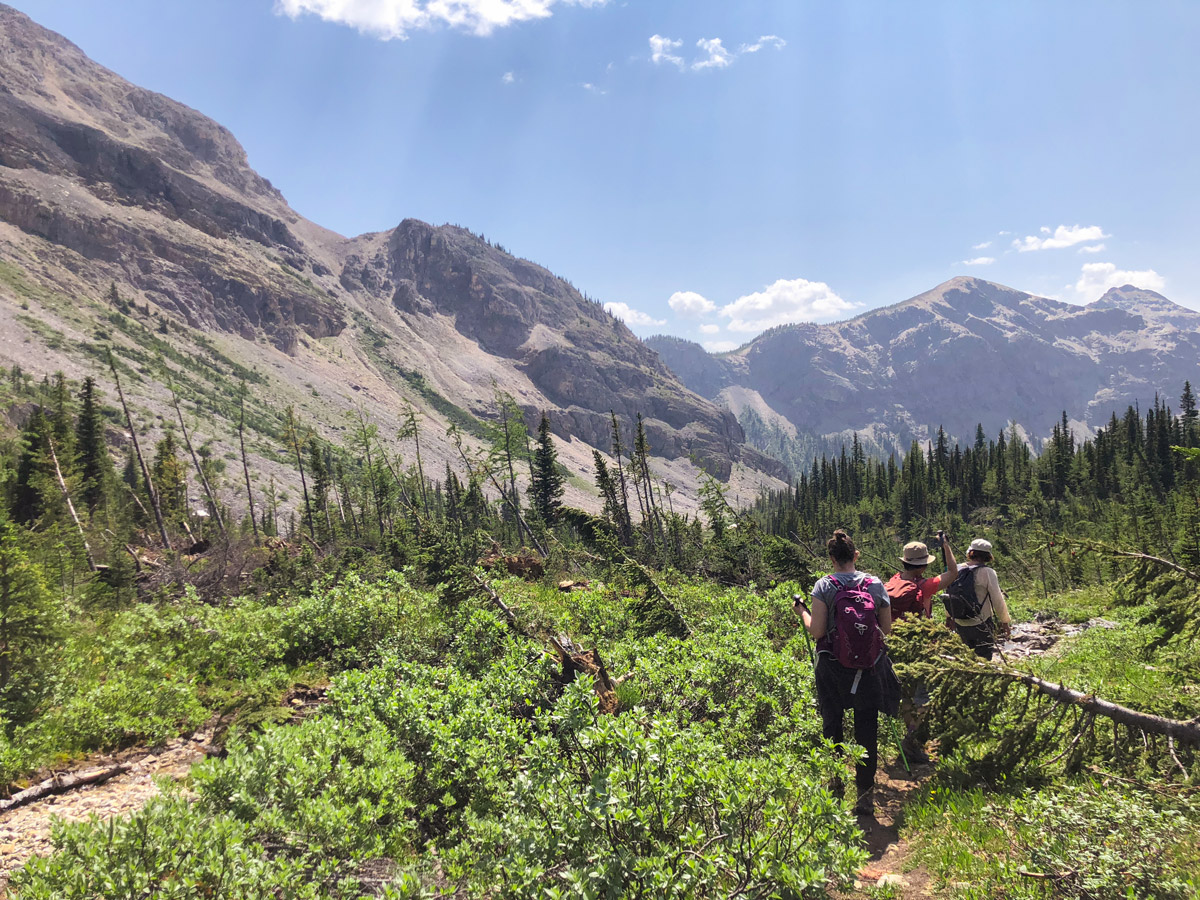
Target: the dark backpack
(961, 600)
(857, 639)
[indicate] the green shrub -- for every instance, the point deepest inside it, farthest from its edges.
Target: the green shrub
(331, 787)
(168, 850)
(633, 806)
(464, 735)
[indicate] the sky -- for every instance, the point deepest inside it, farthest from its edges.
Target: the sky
(710, 168)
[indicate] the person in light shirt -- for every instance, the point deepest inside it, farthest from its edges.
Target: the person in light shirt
(979, 632)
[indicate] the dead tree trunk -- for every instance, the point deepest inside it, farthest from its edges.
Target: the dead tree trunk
(1185, 731)
(58, 785)
(137, 449)
(245, 465)
(62, 486)
(187, 440)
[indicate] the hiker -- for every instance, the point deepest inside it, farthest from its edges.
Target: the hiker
(911, 594)
(975, 603)
(850, 615)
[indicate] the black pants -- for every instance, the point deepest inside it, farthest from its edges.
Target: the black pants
(981, 638)
(834, 684)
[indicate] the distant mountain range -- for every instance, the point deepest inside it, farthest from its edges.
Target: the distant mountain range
(967, 352)
(108, 187)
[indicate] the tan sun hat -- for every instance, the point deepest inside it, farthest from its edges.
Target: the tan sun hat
(981, 545)
(916, 554)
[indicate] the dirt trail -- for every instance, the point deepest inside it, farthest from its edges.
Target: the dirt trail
(25, 832)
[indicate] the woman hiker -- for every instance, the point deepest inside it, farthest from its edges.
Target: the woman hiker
(975, 603)
(911, 594)
(850, 614)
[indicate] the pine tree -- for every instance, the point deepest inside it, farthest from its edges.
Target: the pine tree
(95, 464)
(1190, 416)
(30, 490)
(547, 484)
(29, 624)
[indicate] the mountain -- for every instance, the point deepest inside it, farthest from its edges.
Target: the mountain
(967, 352)
(128, 218)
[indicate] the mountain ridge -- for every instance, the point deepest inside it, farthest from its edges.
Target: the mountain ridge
(1015, 358)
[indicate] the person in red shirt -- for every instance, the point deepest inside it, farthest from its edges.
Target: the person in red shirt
(912, 594)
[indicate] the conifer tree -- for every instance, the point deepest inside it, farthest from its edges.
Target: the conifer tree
(95, 465)
(29, 624)
(1190, 415)
(546, 484)
(170, 477)
(30, 488)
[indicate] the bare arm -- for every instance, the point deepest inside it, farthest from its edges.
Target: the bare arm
(816, 620)
(951, 566)
(999, 604)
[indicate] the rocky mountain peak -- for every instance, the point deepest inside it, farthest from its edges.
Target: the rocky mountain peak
(43, 71)
(1148, 304)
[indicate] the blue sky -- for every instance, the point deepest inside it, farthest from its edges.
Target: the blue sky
(817, 160)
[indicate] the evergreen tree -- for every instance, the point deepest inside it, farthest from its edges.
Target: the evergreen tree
(31, 489)
(1190, 416)
(547, 483)
(29, 624)
(170, 479)
(95, 464)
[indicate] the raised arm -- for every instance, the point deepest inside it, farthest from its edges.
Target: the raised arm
(951, 565)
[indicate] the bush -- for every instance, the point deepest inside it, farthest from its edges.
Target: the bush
(614, 806)
(168, 850)
(331, 787)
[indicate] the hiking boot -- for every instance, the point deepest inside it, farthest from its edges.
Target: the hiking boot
(865, 804)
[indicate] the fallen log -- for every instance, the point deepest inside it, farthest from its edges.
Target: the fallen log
(1180, 730)
(60, 785)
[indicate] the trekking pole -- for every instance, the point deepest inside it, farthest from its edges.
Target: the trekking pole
(899, 744)
(807, 636)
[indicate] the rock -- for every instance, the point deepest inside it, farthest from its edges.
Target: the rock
(891, 880)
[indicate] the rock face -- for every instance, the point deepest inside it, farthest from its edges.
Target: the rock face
(105, 184)
(967, 352)
(583, 361)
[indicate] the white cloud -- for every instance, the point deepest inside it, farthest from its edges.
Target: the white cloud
(1063, 236)
(396, 18)
(689, 303)
(718, 57)
(978, 261)
(631, 316)
(508, 77)
(982, 246)
(720, 346)
(593, 89)
(1093, 248)
(785, 301)
(714, 53)
(767, 40)
(1096, 278)
(662, 50)
(710, 329)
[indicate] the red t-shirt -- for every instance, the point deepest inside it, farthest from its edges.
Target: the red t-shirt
(911, 596)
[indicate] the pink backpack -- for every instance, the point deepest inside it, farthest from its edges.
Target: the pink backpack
(857, 639)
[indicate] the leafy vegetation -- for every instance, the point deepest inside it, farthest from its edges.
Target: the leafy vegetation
(646, 727)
